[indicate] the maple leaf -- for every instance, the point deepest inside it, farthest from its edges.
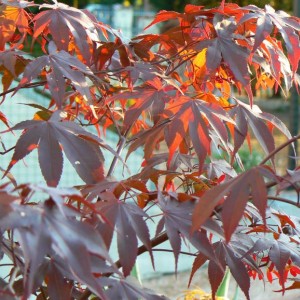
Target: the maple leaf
(279, 251)
(46, 230)
(9, 59)
(128, 220)
(62, 65)
(12, 64)
(151, 95)
(226, 254)
(62, 21)
(236, 266)
(177, 221)
(80, 147)
(236, 192)
(126, 289)
(13, 16)
(266, 20)
(224, 47)
(245, 115)
(198, 113)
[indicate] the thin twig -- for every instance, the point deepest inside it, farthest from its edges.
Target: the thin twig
(25, 86)
(116, 157)
(8, 150)
(181, 63)
(290, 141)
(171, 251)
(279, 199)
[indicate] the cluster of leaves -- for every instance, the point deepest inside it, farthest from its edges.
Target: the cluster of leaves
(175, 96)
(180, 4)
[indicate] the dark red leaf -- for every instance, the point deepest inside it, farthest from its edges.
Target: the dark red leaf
(64, 21)
(238, 270)
(129, 223)
(288, 27)
(177, 222)
(216, 270)
(279, 255)
(62, 65)
(126, 290)
(237, 192)
(197, 264)
(58, 287)
(76, 142)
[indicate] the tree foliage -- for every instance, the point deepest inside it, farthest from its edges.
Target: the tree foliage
(178, 5)
(176, 95)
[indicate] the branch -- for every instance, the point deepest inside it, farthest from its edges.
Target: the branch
(280, 148)
(122, 142)
(8, 150)
(115, 159)
(279, 199)
(171, 251)
(25, 86)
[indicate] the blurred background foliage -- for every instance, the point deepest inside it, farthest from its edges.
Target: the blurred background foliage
(179, 5)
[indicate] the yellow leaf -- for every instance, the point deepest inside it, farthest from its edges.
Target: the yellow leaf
(199, 63)
(197, 294)
(8, 77)
(42, 116)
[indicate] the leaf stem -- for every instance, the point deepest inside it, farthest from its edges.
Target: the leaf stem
(116, 157)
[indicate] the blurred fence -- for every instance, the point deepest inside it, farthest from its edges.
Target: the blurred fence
(129, 20)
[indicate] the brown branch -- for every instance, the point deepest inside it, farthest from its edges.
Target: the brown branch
(181, 63)
(8, 150)
(25, 86)
(116, 157)
(279, 199)
(290, 141)
(122, 142)
(171, 251)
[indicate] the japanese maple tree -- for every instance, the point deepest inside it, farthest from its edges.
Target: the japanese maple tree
(177, 96)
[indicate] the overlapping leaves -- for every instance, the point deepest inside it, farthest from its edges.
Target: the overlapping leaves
(126, 290)
(13, 16)
(266, 20)
(45, 230)
(177, 220)
(128, 221)
(80, 147)
(235, 193)
(198, 119)
(62, 22)
(59, 65)
(245, 116)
